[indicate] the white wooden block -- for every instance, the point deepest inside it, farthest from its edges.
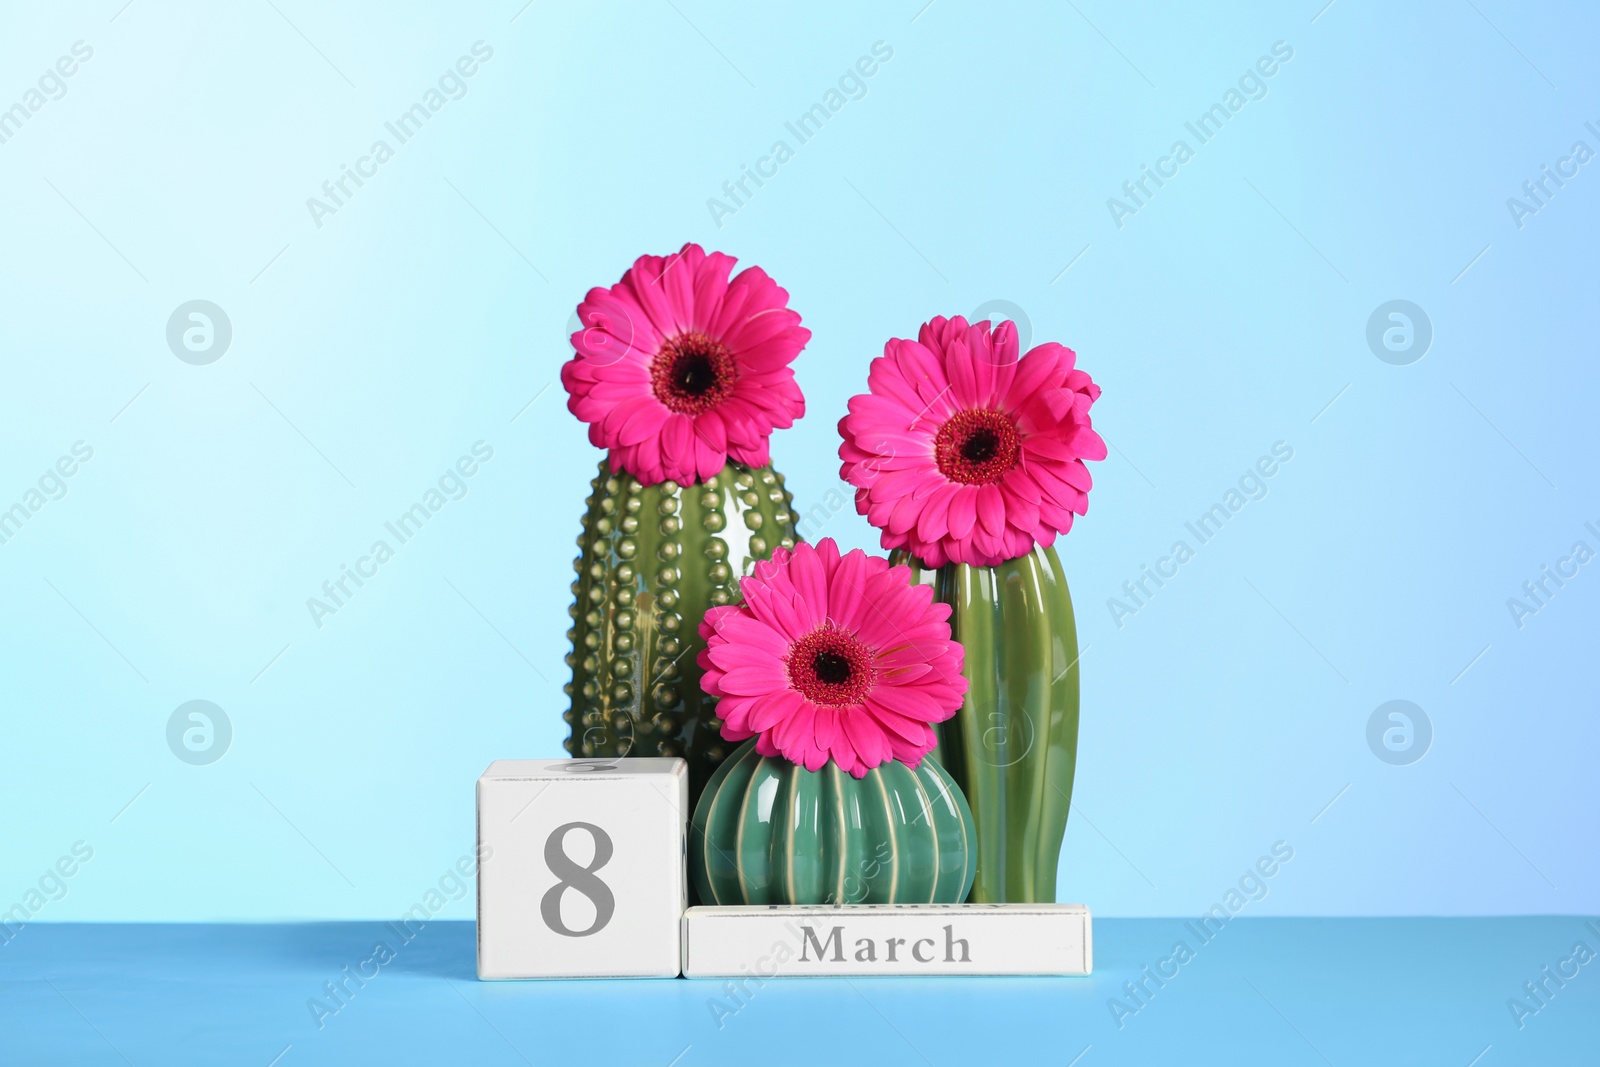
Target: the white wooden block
(866, 939)
(583, 868)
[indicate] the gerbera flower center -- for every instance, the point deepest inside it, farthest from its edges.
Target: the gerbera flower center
(692, 373)
(977, 446)
(830, 666)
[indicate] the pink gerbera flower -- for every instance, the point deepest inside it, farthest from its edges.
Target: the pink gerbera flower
(833, 658)
(678, 369)
(963, 453)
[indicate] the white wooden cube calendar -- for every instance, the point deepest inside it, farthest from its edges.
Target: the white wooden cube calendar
(582, 874)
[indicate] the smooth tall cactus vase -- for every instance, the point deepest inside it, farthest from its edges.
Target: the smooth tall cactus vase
(651, 560)
(832, 670)
(681, 373)
(969, 459)
(1014, 744)
(768, 831)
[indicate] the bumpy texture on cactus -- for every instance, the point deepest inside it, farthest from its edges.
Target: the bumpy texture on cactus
(1014, 743)
(652, 560)
(767, 831)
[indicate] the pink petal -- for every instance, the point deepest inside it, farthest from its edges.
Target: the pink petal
(991, 510)
(754, 681)
(963, 513)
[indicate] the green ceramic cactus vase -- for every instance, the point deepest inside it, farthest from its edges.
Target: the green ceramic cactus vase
(1013, 746)
(652, 560)
(767, 831)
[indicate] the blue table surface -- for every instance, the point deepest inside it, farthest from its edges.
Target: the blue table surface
(1262, 991)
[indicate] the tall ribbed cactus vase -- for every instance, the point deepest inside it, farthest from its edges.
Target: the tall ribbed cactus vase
(652, 559)
(1013, 746)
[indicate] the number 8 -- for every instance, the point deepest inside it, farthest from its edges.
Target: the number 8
(583, 879)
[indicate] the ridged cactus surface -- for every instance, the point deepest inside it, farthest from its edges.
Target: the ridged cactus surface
(651, 560)
(767, 831)
(1013, 745)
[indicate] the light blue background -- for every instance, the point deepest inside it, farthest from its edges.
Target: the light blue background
(426, 315)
